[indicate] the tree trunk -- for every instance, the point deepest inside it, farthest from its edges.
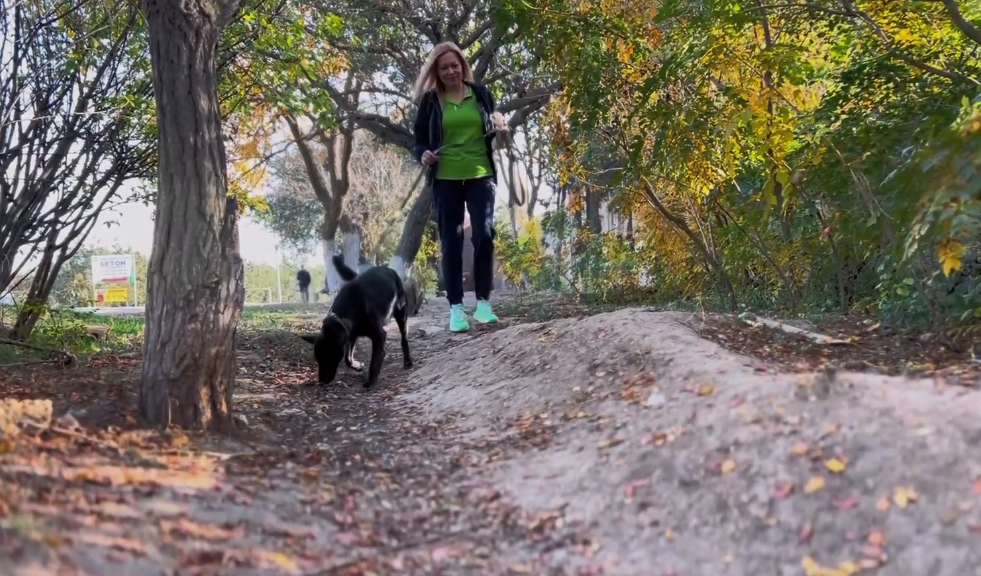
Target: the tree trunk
(593, 218)
(195, 285)
(333, 280)
(412, 231)
(351, 248)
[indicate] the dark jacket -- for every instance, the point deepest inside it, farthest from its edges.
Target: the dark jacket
(428, 127)
(303, 278)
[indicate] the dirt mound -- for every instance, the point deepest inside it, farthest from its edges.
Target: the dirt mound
(685, 458)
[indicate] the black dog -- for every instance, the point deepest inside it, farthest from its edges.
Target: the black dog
(362, 307)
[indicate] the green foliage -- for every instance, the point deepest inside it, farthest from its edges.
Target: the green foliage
(524, 259)
(427, 260)
(67, 330)
(295, 220)
(797, 157)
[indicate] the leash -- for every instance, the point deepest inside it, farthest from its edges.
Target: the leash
(513, 180)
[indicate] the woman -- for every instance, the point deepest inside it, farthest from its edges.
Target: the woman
(454, 139)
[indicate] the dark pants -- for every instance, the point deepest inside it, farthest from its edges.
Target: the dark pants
(305, 294)
(478, 196)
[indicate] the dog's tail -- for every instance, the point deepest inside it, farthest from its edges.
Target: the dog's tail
(346, 273)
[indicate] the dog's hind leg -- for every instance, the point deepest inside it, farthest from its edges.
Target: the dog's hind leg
(377, 357)
(400, 319)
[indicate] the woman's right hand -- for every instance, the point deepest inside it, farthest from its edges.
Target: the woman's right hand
(428, 158)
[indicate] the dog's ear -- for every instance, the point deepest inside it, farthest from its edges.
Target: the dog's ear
(311, 338)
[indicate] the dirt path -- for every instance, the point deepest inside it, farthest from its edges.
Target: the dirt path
(619, 444)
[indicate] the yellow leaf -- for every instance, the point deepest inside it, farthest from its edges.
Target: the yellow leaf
(901, 498)
(835, 466)
(812, 568)
(728, 466)
(814, 484)
(706, 390)
(950, 254)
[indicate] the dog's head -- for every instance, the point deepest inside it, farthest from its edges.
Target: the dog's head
(329, 347)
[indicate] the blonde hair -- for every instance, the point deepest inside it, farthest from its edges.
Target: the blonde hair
(429, 75)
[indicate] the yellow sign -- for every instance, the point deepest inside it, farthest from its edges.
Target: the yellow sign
(117, 294)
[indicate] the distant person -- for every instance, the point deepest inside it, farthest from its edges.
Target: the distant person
(303, 283)
(454, 130)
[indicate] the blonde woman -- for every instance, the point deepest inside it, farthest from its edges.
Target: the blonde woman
(454, 138)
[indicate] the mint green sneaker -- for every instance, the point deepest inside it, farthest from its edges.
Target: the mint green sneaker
(458, 319)
(483, 313)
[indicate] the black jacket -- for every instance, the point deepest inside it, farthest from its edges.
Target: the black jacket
(303, 278)
(428, 127)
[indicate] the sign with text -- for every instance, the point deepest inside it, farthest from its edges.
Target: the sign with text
(117, 269)
(115, 294)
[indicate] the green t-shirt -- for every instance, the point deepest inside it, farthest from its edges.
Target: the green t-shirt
(463, 130)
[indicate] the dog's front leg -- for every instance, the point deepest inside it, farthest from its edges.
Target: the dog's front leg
(377, 358)
(350, 361)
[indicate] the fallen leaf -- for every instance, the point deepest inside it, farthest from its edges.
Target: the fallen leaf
(669, 534)
(611, 443)
(903, 496)
(846, 503)
(806, 533)
(728, 466)
(441, 554)
(835, 466)
(877, 538)
(814, 484)
(883, 504)
(799, 449)
(977, 486)
(812, 568)
(830, 429)
(783, 490)
(280, 560)
(951, 516)
(706, 390)
(631, 488)
(869, 563)
(874, 552)
(912, 494)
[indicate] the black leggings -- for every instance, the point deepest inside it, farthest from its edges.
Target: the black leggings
(478, 197)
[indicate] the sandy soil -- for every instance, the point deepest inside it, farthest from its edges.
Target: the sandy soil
(621, 444)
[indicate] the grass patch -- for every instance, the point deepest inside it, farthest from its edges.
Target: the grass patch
(68, 330)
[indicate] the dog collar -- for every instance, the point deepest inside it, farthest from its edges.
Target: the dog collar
(340, 321)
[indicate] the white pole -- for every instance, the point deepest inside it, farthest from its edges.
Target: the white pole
(279, 282)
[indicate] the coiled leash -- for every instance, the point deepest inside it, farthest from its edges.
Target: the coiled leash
(517, 186)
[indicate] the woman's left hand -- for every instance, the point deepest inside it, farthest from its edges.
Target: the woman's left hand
(499, 124)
